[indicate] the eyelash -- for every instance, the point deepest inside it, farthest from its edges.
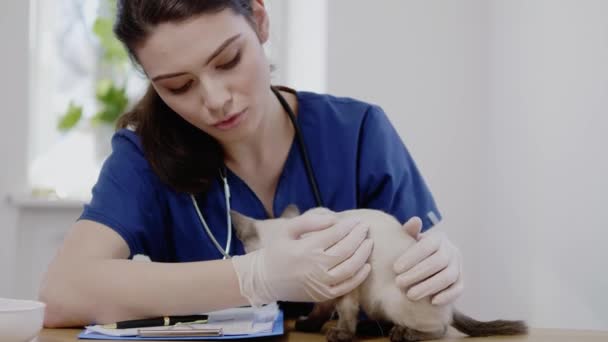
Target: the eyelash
(181, 89)
(234, 62)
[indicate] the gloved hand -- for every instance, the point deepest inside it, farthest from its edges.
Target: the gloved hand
(431, 267)
(316, 267)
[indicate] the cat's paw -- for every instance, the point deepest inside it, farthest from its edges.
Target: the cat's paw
(402, 334)
(405, 334)
(339, 335)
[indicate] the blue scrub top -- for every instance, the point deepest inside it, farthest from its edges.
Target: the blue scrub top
(357, 157)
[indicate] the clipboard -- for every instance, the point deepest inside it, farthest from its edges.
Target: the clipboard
(277, 330)
(180, 332)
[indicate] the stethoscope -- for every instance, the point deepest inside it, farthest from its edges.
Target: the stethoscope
(223, 174)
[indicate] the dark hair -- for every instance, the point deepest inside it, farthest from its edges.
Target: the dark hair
(183, 156)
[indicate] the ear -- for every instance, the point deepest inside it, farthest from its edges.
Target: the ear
(261, 21)
(291, 211)
(244, 227)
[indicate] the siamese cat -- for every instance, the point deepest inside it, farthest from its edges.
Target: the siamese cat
(379, 296)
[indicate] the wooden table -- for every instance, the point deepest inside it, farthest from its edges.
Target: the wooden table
(536, 335)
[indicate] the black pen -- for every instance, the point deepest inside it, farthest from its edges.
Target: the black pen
(157, 322)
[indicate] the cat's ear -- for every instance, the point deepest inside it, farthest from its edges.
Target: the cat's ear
(239, 219)
(244, 226)
(291, 211)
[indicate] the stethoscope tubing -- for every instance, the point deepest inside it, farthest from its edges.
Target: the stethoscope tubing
(223, 174)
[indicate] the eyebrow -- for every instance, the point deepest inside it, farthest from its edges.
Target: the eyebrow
(213, 55)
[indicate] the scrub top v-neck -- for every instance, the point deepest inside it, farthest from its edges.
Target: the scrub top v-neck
(357, 157)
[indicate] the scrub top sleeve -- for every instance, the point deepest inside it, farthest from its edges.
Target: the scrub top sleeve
(127, 200)
(388, 178)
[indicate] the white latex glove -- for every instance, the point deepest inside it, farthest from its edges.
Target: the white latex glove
(320, 266)
(431, 267)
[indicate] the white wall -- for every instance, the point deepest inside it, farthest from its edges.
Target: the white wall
(504, 104)
(425, 63)
(305, 44)
(13, 130)
(547, 179)
(40, 233)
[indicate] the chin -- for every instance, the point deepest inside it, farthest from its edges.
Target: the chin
(239, 133)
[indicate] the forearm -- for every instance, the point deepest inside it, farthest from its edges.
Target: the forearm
(103, 291)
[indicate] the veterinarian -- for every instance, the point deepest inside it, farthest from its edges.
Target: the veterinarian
(212, 135)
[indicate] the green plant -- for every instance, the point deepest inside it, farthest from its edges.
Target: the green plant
(111, 97)
(70, 118)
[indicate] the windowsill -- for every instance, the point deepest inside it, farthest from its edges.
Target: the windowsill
(35, 202)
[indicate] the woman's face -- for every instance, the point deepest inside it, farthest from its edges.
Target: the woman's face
(212, 70)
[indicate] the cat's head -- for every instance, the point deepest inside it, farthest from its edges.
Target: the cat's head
(255, 234)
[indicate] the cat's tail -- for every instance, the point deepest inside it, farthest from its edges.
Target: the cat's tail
(475, 328)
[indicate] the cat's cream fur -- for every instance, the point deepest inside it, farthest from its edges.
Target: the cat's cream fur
(379, 296)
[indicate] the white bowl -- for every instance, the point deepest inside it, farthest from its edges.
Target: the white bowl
(20, 320)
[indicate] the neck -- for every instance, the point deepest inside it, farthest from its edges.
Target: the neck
(259, 149)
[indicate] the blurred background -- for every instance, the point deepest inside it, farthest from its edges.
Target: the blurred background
(502, 103)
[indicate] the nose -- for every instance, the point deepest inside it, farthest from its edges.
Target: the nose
(215, 96)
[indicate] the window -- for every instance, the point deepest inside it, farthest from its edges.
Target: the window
(66, 65)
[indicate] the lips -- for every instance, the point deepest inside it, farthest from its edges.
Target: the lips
(231, 121)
